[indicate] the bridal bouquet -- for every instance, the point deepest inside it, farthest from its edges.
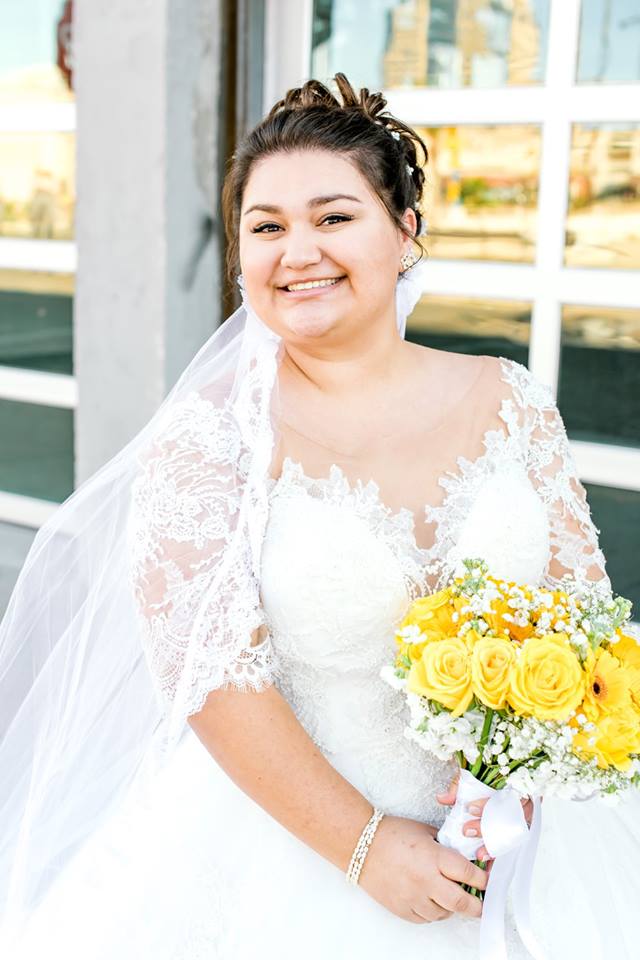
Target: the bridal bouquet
(534, 691)
(530, 688)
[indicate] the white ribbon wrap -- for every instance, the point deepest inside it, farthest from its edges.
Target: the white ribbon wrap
(513, 844)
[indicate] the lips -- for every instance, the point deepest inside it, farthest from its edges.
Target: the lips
(316, 285)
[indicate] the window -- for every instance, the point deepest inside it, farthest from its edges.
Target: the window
(532, 114)
(37, 264)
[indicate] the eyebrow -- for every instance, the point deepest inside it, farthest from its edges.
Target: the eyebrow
(314, 202)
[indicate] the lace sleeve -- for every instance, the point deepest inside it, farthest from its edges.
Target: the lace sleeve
(198, 600)
(574, 547)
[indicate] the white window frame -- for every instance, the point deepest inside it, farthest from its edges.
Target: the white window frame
(555, 106)
(50, 256)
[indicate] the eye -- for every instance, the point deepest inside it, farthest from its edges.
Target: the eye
(339, 217)
(263, 228)
(336, 217)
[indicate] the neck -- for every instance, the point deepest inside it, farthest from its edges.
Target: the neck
(357, 366)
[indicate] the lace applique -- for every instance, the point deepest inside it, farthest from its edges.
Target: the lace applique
(198, 608)
(533, 438)
(536, 438)
(575, 550)
(395, 529)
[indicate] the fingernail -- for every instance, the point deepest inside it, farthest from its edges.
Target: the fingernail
(470, 832)
(473, 809)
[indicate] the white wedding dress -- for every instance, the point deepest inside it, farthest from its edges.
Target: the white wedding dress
(190, 867)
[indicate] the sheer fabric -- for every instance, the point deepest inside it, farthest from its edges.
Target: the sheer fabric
(186, 508)
(193, 868)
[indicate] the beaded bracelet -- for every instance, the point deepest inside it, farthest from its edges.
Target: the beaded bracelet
(362, 847)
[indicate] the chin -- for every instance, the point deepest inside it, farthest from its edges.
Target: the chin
(310, 326)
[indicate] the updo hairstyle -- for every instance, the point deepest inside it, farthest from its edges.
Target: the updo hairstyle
(310, 117)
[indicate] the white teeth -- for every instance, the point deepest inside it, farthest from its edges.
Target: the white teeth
(313, 283)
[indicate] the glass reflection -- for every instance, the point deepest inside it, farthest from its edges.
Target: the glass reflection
(481, 192)
(35, 52)
(431, 43)
(36, 454)
(36, 321)
(600, 358)
(497, 328)
(609, 50)
(37, 185)
(616, 513)
(603, 225)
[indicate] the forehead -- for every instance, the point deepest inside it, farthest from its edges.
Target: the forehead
(289, 180)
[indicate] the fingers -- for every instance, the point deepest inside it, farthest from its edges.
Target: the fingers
(452, 897)
(528, 810)
(449, 795)
(429, 912)
(454, 866)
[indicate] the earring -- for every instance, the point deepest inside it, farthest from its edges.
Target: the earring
(407, 260)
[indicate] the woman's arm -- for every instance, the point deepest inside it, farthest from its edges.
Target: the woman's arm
(257, 739)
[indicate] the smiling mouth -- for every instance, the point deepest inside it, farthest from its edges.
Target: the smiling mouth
(311, 284)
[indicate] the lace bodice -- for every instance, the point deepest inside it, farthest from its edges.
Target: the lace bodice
(338, 567)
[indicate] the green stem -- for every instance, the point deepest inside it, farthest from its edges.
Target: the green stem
(484, 736)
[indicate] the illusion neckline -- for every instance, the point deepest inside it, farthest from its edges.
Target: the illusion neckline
(337, 474)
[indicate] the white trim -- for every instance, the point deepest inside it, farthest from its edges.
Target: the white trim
(607, 464)
(608, 103)
(25, 511)
(49, 256)
(546, 320)
(287, 47)
(38, 118)
(517, 281)
(36, 386)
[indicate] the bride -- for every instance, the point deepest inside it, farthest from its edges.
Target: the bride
(310, 474)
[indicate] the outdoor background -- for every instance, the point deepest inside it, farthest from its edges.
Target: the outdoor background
(117, 118)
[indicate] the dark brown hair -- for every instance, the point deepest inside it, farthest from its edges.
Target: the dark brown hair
(312, 118)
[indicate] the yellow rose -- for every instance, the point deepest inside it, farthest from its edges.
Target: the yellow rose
(608, 684)
(617, 735)
(627, 650)
(492, 660)
(547, 681)
(433, 614)
(443, 673)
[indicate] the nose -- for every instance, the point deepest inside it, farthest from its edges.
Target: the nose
(300, 251)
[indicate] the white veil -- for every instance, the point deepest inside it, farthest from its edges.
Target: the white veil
(81, 712)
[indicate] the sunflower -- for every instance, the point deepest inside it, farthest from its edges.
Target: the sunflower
(608, 685)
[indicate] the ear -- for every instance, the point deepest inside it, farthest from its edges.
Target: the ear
(411, 223)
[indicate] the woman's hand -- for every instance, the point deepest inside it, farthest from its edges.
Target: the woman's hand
(472, 827)
(412, 875)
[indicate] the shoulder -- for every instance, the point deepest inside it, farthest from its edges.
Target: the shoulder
(525, 387)
(448, 366)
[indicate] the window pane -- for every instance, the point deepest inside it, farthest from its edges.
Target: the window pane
(37, 184)
(36, 453)
(498, 328)
(36, 321)
(444, 43)
(609, 50)
(34, 52)
(616, 513)
(600, 357)
(481, 192)
(15, 541)
(603, 226)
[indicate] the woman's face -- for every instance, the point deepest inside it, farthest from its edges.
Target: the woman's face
(312, 216)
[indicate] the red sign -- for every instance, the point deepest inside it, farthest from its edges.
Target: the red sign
(64, 34)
